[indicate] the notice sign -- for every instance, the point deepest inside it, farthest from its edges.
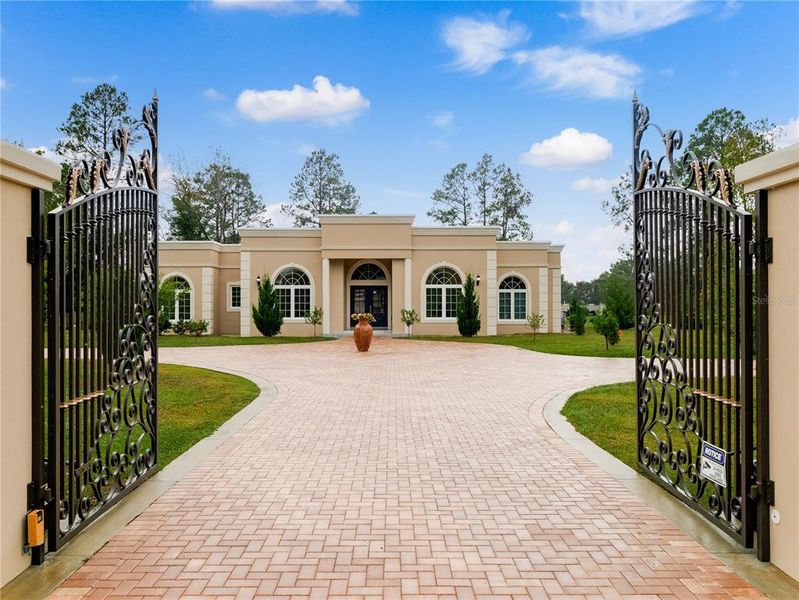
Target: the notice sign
(713, 464)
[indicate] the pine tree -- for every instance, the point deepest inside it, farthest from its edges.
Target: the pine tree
(267, 314)
(469, 310)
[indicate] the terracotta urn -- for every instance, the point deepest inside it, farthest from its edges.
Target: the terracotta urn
(363, 335)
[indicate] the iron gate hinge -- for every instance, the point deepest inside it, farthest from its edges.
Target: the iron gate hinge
(763, 249)
(39, 496)
(37, 250)
(764, 490)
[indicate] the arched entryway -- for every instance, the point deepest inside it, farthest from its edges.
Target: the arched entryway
(368, 285)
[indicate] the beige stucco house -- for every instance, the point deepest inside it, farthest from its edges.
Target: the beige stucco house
(366, 263)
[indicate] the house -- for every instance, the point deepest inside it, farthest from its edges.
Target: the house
(365, 263)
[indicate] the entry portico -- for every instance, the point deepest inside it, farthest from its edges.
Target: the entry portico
(367, 263)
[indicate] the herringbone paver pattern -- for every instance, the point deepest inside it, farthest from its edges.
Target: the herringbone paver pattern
(418, 470)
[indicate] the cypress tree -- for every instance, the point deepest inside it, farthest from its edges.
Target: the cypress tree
(469, 310)
(267, 314)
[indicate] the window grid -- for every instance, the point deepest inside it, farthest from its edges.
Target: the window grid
(512, 299)
(294, 291)
(235, 296)
(368, 272)
(443, 290)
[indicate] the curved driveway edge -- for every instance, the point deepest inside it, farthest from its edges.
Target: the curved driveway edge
(416, 471)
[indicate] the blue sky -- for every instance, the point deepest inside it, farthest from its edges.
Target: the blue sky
(404, 91)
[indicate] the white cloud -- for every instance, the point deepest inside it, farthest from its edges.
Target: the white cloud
(588, 254)
(327, 103)
(787, 135)
(443, 119)
(274, 213)
(597, 185)
(590, 74)
(562, 229)
(213, 94)
(569, 149)
(47, 153)
(90, 79)
(304, 149)
(296, 7)
(631, 17)
(3, 84)
(480, 44)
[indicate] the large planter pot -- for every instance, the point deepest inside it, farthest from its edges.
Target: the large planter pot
(363, 335)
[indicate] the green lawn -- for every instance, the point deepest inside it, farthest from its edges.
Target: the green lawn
(606, 415)
(193, 403)
(184, 341)
(589, 344)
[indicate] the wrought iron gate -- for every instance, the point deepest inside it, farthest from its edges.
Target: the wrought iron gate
(694, 261)
(97, 423)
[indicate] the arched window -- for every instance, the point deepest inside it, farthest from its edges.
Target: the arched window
(368, 272)
(294, 290)
(176, 298)
(512, 299)
(442, 291)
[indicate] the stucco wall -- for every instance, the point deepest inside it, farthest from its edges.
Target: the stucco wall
(778, 173)
(20, 171)
(343, 241)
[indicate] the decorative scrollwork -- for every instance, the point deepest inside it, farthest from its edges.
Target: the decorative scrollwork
(86, 177)
(687, 171)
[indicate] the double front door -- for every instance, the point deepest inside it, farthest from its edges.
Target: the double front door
(372, 299)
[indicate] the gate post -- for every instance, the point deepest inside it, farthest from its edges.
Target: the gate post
(23, 178)
(774, 179)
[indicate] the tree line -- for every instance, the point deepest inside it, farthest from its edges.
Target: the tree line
(724, 134)
(214, 201)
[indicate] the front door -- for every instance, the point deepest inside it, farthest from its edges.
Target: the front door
(372, 299)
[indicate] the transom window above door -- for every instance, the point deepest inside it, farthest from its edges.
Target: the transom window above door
(368, 272)
(512, 299)
(442, 292)
(293, 288)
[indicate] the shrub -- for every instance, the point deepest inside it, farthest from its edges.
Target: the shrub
(190, 327)
(197, 327)
(410, 318)
(267, 314)
(606, 325)
(164, 324)
(469, 310)
(314, 318)
(535, 322)
(577, 316)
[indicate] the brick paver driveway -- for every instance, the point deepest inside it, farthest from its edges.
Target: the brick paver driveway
(417, 470)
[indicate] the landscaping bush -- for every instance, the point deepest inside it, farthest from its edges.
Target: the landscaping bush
(164, 324)
(314, 318)
(267, 314)
(190, 327)
(535, 322)
(410, 318)
(577, 316)
(469, 310)
(606, 325)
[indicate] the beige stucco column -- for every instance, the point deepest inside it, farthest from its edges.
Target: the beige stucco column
(246, 301)
(325, 296)
(207, 299)
(555, 310)
(778, 173)
(543, 296)
(397, 294)
(491, 292)
(20, 173)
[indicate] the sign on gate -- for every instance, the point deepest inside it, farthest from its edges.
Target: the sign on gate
(713, 464)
